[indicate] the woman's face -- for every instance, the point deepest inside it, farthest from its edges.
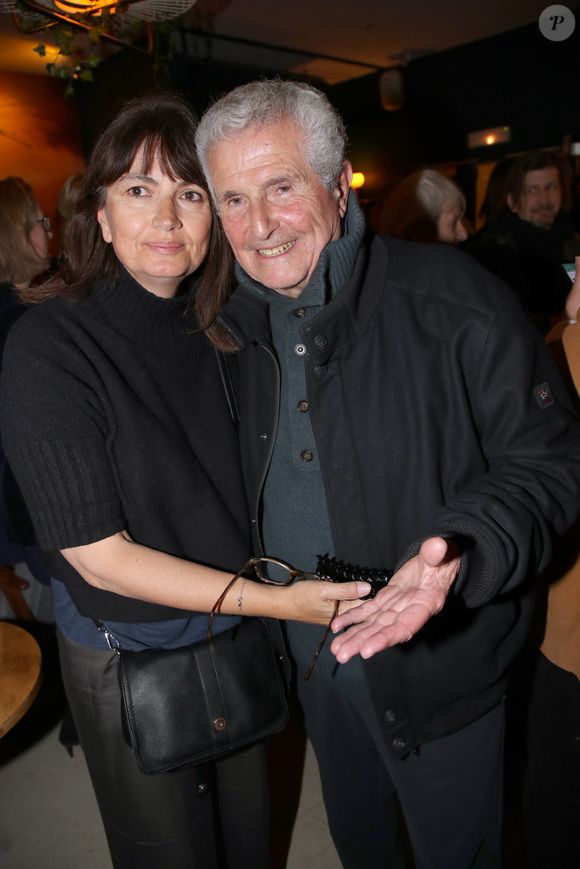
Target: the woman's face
(159, 228)
(450, 226)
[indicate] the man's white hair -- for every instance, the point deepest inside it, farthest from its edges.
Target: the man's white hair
(262, 103)
(435, 192)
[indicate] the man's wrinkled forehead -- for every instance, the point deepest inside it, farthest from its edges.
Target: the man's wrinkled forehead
(260, 151)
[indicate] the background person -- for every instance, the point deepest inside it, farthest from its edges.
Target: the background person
(425, 206)
(68, 198)
(24, 244)
(397, 411)
(528, 244)
(495, 204)
(115, 421)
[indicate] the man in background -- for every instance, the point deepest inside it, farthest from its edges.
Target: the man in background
(528, 244)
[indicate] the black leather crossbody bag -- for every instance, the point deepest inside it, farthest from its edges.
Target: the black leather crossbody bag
(197, 703)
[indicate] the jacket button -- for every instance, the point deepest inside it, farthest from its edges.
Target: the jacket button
(306, 455)
(320, 341)
(299, 312)
(263, 436)
(300, 349)
(219, 724)
(303, 406)
(320, 371)
(399, 744)
(390, 716)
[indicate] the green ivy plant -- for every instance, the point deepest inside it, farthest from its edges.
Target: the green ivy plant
(68, 65)
(73, 63)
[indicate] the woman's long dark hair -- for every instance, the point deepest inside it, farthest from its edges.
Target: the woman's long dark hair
(162, 126)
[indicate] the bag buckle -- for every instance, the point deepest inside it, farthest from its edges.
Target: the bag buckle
(111, 640)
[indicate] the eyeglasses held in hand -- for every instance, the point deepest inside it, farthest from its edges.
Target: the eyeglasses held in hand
(328, 569)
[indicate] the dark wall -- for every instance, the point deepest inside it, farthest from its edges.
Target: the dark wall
(123, 76)
(131, 73)
(518, 78)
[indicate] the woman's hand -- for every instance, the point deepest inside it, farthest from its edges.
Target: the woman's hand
(314, 601)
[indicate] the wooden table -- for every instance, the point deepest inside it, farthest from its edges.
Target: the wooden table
(20, 662)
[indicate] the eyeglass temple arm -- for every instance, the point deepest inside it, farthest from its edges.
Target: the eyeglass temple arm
(252, 564)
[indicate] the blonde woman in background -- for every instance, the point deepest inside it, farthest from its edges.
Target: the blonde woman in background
(25, 234)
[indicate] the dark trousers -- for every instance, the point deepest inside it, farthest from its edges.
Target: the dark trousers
(450, 791)
(205, 817)
(552, 780)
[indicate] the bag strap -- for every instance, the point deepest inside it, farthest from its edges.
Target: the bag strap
(216, 608)
(112, 641)
(226, 378)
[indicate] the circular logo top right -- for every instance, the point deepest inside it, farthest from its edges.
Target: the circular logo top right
(557, 23)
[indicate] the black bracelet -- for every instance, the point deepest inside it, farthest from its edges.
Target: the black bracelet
(342, 571)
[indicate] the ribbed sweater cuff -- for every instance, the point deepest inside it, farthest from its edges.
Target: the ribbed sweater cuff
(70, 492)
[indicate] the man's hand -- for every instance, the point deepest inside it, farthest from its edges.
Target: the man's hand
(416, 592)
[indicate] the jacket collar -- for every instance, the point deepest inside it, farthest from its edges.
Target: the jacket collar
(246, 318)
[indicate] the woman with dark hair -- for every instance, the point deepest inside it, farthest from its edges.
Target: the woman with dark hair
(68, 197)
(118, 429)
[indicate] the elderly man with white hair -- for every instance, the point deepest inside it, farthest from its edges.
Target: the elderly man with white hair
(398, 418)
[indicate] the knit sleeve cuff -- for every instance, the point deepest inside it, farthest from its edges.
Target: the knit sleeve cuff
(69, 490)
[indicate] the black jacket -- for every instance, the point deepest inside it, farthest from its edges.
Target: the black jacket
(529, 259)
(436, 410)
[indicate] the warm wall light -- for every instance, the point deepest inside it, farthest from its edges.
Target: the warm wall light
(358, 179)
(493, 136)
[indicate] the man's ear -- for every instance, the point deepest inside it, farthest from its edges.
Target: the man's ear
(343, 187)
(104, 224)
(512, 203)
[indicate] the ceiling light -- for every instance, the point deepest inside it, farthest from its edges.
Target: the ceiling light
(81, 7)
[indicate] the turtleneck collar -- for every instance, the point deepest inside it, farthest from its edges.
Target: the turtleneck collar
(333, 270)
(134, 311)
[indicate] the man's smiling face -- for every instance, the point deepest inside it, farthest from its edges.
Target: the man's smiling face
(277, 214)
(540, 199)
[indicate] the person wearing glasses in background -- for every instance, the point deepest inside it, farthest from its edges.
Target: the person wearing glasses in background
(25, 234)
(398, 412)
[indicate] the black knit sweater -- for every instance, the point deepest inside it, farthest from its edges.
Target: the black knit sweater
(113, 417)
